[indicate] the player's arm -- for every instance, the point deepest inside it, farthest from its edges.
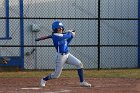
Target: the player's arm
(66, 35)
(69, 34)
(69, 39)
(43, 38)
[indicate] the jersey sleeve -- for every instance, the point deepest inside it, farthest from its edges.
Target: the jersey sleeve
(67, 35)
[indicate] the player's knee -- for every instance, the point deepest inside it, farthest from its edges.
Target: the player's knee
(80, 66)
(57, 76)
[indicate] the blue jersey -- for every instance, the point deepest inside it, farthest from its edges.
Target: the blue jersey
(61, 41)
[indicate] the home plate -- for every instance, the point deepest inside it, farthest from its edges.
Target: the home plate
(31, 88)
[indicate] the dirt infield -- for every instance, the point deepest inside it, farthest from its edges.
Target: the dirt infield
(70, 85)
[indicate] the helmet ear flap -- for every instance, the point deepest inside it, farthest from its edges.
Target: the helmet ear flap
(63, 29)
(55, 30)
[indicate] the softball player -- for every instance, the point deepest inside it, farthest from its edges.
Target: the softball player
(61, 41)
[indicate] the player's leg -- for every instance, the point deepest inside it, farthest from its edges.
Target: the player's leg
(56, 73)
(74, 61)
(60, 60)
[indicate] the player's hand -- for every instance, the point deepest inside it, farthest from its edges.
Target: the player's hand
(73, 34)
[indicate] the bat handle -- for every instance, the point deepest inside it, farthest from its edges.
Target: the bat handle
(73, 31)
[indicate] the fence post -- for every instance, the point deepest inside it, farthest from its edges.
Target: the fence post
(99, 34)
(138, 34)
(21, 34)
(7, 18)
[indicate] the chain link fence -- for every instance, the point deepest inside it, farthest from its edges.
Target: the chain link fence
(106, 32)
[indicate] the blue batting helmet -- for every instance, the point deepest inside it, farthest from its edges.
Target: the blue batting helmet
(56, 25)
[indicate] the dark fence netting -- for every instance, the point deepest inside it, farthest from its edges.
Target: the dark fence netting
(107, 33)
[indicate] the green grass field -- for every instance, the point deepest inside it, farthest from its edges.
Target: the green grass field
(112, 73)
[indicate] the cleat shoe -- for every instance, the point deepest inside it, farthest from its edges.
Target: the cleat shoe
(42, 83)
(85, 84)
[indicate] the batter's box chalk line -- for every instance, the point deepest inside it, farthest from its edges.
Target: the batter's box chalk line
(31, 88)
(38, 88)
(60, 91)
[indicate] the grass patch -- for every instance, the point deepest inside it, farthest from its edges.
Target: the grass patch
(119, 73)
(112, 73)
